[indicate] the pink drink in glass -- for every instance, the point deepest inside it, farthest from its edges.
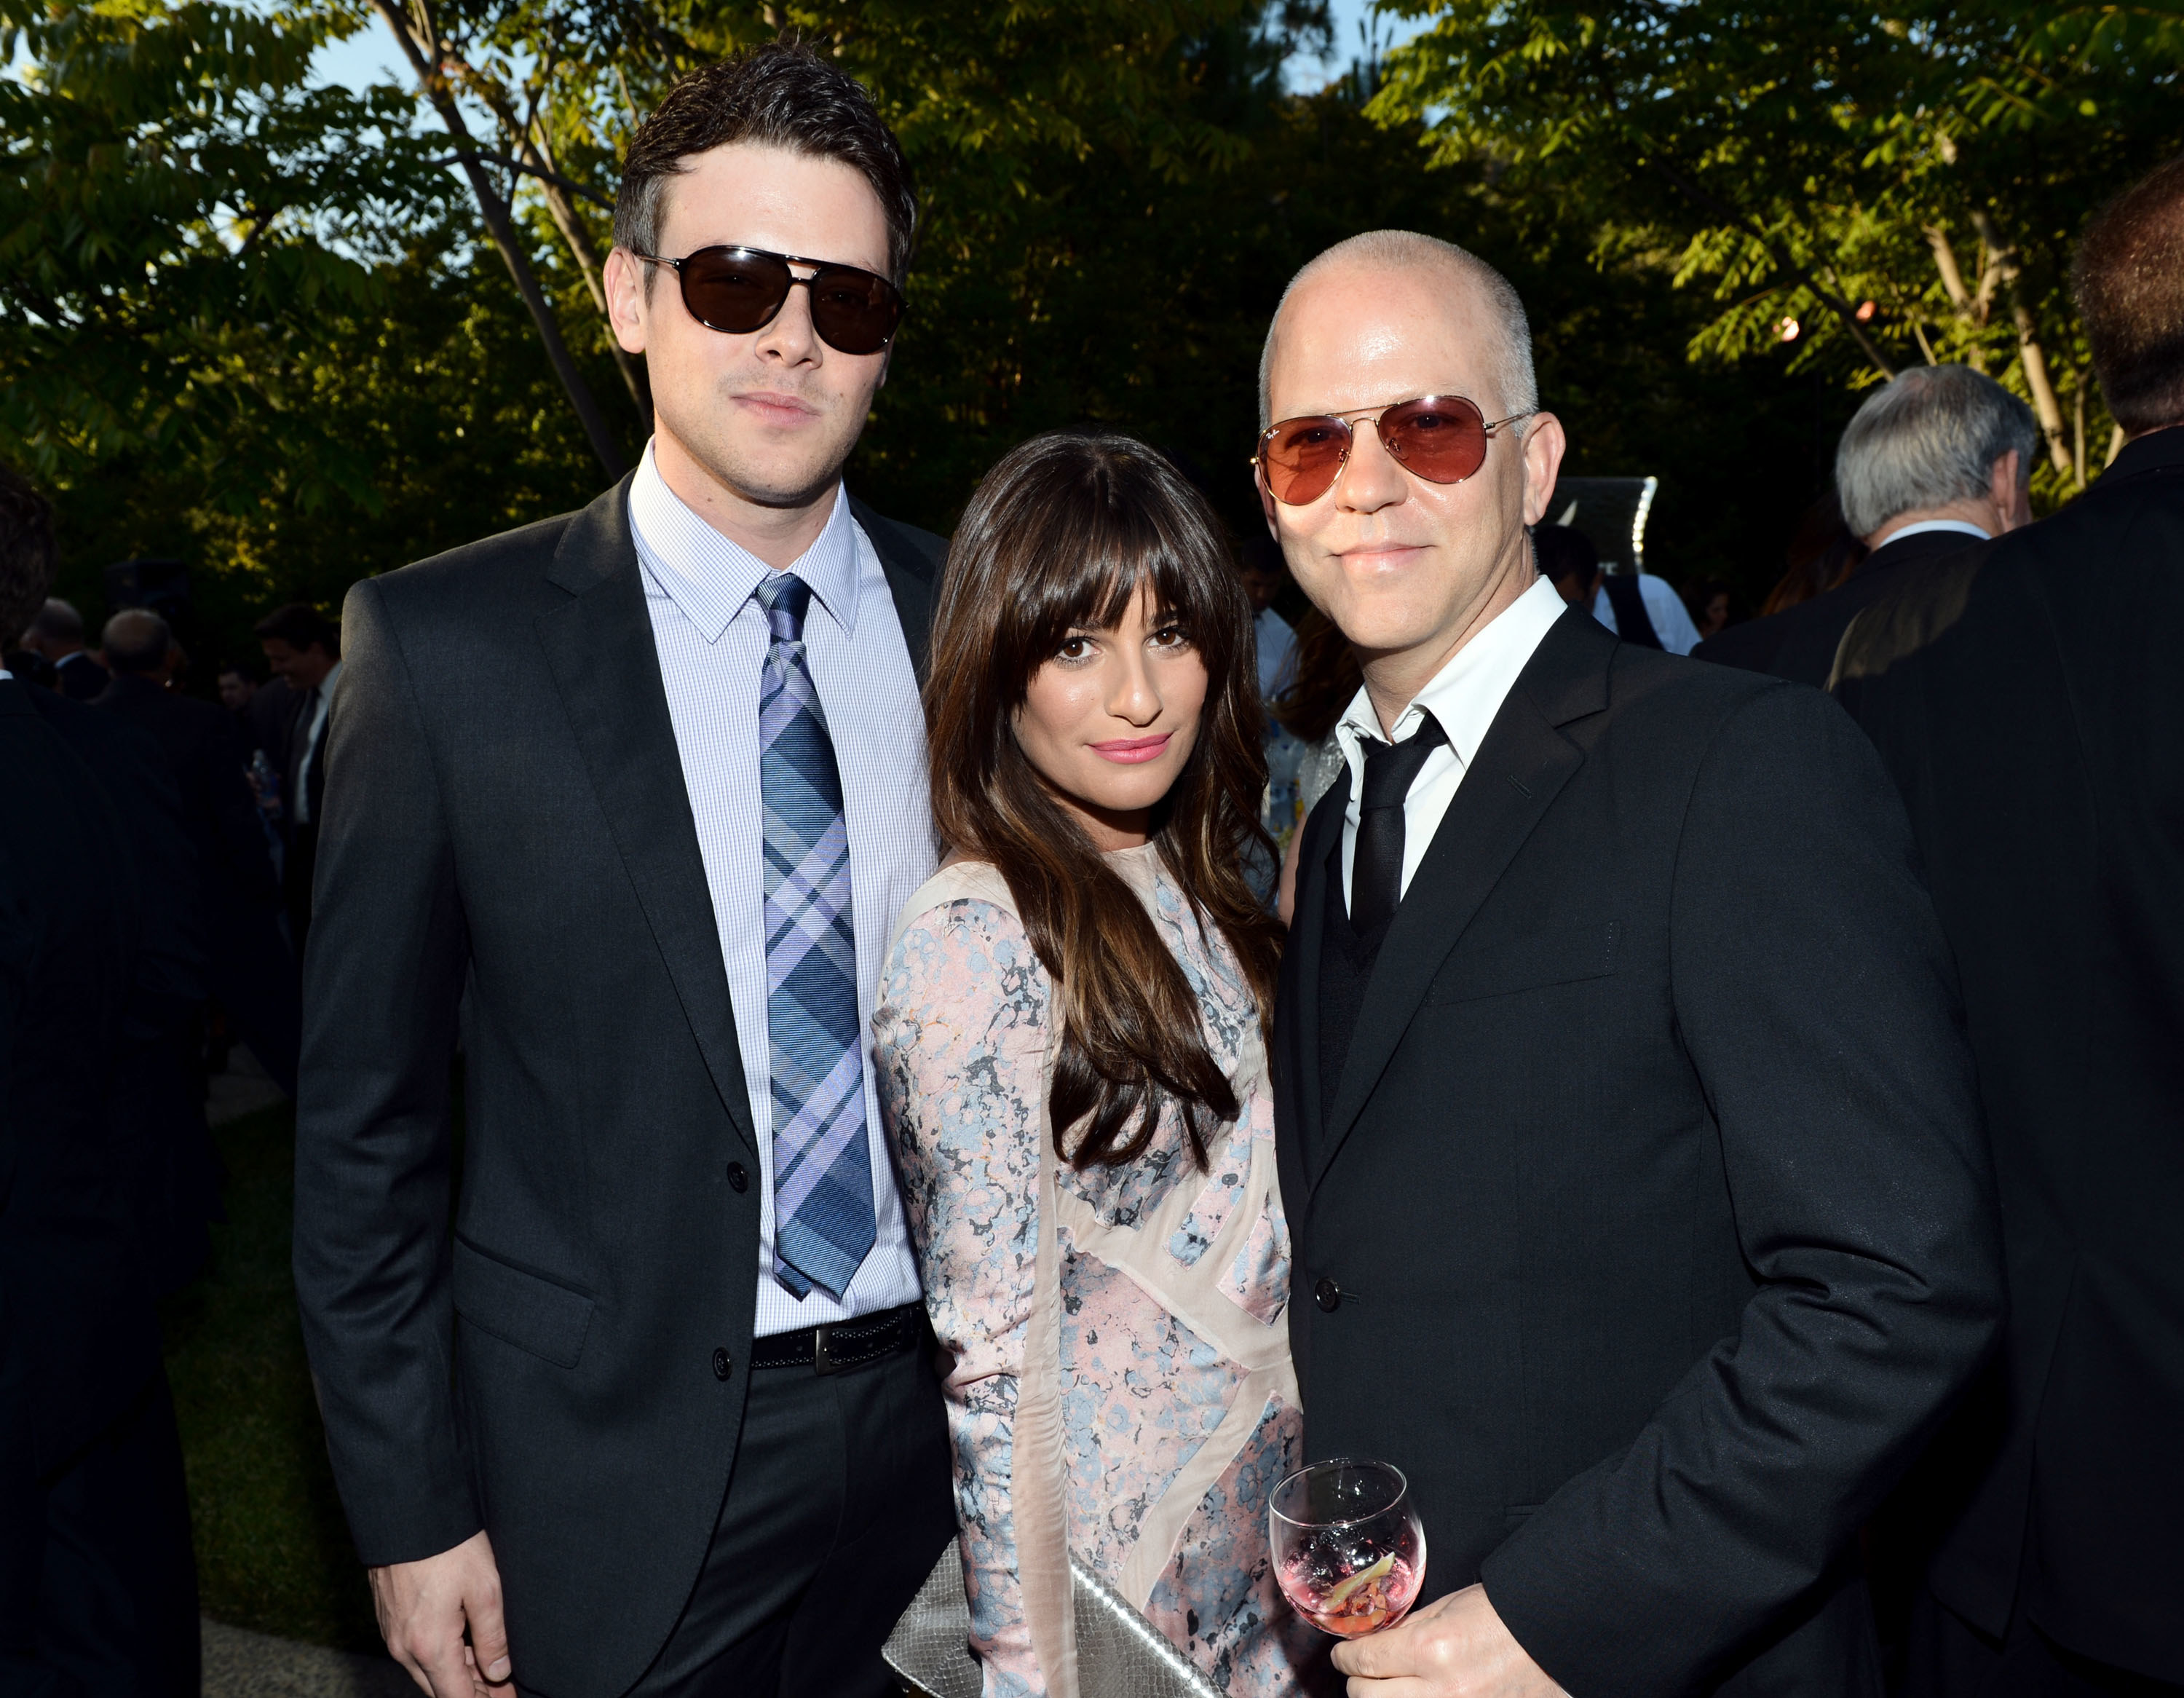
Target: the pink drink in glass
(1349, 1550)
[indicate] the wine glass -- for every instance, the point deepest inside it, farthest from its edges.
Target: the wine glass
(1349, 1550)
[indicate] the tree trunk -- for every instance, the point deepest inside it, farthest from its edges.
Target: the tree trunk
(1974, 316)
(593, 264)
(502, 229)
(2078, 427)
(2044, 403)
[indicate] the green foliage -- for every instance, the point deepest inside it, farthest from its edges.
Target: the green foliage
(273, 1551)
(178, 215)
(310, 365)
(1798, 161)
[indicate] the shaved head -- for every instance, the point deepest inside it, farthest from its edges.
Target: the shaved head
(137, 641)
(1407, 568)
(1477, 292)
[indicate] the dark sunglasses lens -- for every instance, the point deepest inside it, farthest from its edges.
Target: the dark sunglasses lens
(855, 312)
(1441, 438)
(733, 290)
(1302, 458)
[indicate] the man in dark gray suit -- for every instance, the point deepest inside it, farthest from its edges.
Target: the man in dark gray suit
(631, 797)
(1628, 1136)
(1933, 462)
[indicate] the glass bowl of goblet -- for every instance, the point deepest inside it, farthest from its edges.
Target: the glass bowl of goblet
(1349, 1550)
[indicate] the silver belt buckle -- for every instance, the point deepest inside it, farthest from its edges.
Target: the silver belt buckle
(822, 1353)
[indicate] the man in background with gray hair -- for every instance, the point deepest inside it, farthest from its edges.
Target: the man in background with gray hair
(1634, 1174)
(1933, 462)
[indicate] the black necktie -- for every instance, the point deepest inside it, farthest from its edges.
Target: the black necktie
(1376, 871)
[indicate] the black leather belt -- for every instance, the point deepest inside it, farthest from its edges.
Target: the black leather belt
(842, 1344)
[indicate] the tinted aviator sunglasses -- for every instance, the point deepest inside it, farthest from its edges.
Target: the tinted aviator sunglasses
(738, 290)
(1441, 438)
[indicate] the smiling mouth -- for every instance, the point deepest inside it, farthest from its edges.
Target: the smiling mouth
(1133, 750)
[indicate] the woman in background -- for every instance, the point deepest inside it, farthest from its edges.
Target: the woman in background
(1071, 1047)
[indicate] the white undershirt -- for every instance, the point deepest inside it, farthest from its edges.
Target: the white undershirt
(1464, 695)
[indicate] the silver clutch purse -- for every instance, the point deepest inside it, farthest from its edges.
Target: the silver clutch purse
(1119, 1653)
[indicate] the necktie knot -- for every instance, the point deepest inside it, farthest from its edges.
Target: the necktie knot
(1391, 768)
(784, 597)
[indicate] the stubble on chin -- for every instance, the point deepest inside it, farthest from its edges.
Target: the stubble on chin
(783, 479)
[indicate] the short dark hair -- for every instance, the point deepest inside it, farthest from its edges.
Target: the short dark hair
(2129, 280)
(1564, 552)
(781, 94)
(28, 556)
(301, 626)
(136, 640)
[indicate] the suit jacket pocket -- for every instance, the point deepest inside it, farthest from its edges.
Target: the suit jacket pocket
(1560, 955)
(523, 1309)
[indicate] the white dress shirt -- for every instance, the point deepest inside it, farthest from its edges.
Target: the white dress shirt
(711, 638)
(1671, 619)
(1464, 696)
(1963, 526)
(299, 805)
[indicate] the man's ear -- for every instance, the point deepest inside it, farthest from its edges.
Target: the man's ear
(1266, 499)
(1543, 444)
(2001, 481)
(624, 281)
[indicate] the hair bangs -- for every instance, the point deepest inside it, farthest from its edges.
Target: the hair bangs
(1080, 562)
(1062, 535)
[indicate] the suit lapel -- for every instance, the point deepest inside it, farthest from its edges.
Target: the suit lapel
(1522, 766)
(1298, 1011)
(599, 645)
(910, 580)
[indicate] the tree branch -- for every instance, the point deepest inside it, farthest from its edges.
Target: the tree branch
(502, 229)
(2028, 343)
(528, 135)
(1827, 298)
(566, 185)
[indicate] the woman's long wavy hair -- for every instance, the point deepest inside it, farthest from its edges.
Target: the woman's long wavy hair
(1061, 534)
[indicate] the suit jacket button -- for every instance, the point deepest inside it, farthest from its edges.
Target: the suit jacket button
(737, 1179)
(1328, 1295)
(723, 1365)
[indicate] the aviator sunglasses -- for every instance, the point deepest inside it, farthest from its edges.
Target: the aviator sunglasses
(738, 290)
(1441, 438)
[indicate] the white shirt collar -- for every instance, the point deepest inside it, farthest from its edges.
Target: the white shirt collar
(710, 577)
(1468, 690)
(1924, 525)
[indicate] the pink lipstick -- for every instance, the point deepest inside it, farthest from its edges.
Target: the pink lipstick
(1135, 750)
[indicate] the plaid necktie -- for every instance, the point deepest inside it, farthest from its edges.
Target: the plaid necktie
(822, 1172)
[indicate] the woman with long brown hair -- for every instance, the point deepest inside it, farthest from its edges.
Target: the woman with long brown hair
(1071, 1051)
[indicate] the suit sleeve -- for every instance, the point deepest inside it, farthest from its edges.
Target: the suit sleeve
(1817, 1004)
(382, 981)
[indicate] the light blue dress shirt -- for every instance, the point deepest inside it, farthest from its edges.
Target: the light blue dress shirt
(711, 639)
(1672, 620)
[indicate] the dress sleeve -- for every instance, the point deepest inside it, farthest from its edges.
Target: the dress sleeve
(960, 1042)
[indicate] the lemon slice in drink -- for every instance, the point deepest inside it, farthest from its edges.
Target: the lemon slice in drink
(1350, 1586)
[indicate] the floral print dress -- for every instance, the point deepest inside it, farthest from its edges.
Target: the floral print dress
(1121, 1384)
